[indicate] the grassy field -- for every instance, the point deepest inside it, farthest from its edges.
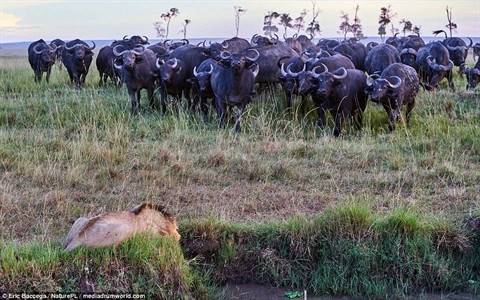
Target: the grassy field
(367, 214)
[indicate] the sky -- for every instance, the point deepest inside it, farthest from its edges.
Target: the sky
(29, 20)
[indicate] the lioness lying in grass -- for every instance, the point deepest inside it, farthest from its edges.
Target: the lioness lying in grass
(112, 228)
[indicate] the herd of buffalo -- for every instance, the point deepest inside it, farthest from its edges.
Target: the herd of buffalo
(338, 76)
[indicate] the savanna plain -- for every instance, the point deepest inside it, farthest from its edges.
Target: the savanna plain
(370, 214)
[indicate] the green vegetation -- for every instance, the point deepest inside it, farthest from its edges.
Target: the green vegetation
(368, 214)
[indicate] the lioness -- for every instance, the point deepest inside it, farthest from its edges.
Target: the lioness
(112, 228)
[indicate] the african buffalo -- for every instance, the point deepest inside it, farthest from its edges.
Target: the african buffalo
(41, 57)
(380, 57)
(105, 67)
(58, 53)
(232, 83)
(457, 49)
(473, 76)
(137, 67)
(201, 84)
(356, 52)
(172, 80)
(77, 57)
(343, 94)
(397, 85)
(434, 64)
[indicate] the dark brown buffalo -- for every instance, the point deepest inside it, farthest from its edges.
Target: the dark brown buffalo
(138, 70)
(397, 85)
(77, 57)
(173, 80)
(434, 65)
(41, 57)
(473, 76)
(232, 83)
(380, 57)
(343, 94)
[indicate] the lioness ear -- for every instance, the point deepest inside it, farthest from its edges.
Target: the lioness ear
(137, 209)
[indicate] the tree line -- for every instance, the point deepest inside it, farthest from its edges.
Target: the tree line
(273, 19)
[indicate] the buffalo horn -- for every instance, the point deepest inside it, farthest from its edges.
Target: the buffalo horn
(165, 42)
(293, 74)
(115, 50)
(195, 73)
(282, 69)
(93, 47)
(254, 39)
(257, 55)
(454, 48)
(210, 71)
(125, 38)
(202, 43)
(225, 55)
(159, 63)
(275, 40)
(394, 86)
(343, 75)
(471, 43)
(36, 50)
(185, 41)
(224, 44)
(314, 72)
(145, 39)
(325, 68)
(139, 52)
(371, 78)
(175, 63)
(256, 70)
(408, 51)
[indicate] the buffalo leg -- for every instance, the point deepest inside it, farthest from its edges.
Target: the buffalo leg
(408, 113)
(48, 74)
(238, 118)
(151, 98)
(134, 101)
(339, 117)
(38, 76)
(450, 80)
(321, 122)
(203, 105)
(221, 111)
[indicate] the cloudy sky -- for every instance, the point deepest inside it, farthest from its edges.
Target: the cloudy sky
(28, 20)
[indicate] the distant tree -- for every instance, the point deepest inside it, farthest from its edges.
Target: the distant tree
(451, 26)
(407, 26)
(314, 27)
(158, 26)
(238, 11)
(385, 18)
(416, 30)
(286, 22)
(163, 32)
(299, 22)
(355, 28)
(345, 26)
(268, 27)
(184, 30)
